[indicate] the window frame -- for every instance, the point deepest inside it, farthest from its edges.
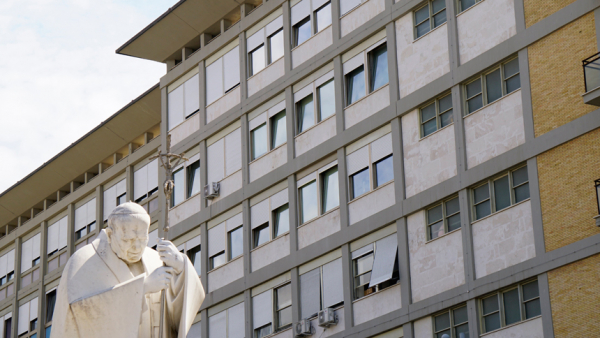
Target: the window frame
(490, 182)
(499, 294)
(453, 325)
(265, 226)
(367, 65)
(378, 287)
(269, 130)
(321, 290)
(431, 16)
(438, 114)
(312, 19)
(270, 59)
(445, 217)
(274, 234)
(275, 322)
(376, 183)
(296, 29)
(482, 77)
(251, 70)
(229, 256)
(458, 5)
(316, 102)
(318, 180)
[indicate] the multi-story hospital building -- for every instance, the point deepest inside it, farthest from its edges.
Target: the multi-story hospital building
(356, 168)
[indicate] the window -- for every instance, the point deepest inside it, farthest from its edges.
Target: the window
(323, 15)
(453, 323)
(510, 306)
(228, 323)
(306, 113)
(27, 323)
(430, 16)
(330, 191)
(384, 171)
(491, 86)
(278, 130)
(436, 115)
(257, 60)
(443, 218)
(259, 141)
(313, 203)
(320, 289)
(326, 97)
(282, 220)
(265, 138)
(464, 4)
(193, 179)
(262, 331)
(303, 15)
(178, 192)
(360, 183)
(308, 203)
(85, 219)
(301, 31)
(194, 256)
(355, 81)
(121, 199)
(217, 260)
(283, 307)
(111, 201)
(260, 235)
(7, 327)
(275, 46)
(379, 67)
(375, 266)
(235, 243)
(57, 237)
(30, 252)
(500, 192)
(307, 117)
(347, 5)
(223, 75)
(183, 101)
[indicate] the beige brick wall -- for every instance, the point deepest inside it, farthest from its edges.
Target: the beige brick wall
(575, 298)
(536, 10)
(557, 74)
(566, 177)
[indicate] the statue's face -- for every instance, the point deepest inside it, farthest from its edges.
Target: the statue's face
(129, 239)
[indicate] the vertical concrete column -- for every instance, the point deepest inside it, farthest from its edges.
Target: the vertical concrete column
(202, 95)
(408, 331)
(467, 237)
(526, 95)
(71, 229)
(248, 313)
(343, 186)
(388, 5)
(459, 131)
(520, 15)
(43, 269)
(129, 183)
(403, 265)
(243, 66)
(163, 147)
(390, 31)
(544, 290)
(473, 315)
(338, 85)
(247, 234)
(398, 151)
(204, 256)
(287, 36)
(295, 296)
(99, 208)
(245, 150)
(290, 121)
(452, 35)
(347, 281)
(335, 20)
(204, 323)
(536, 207)
(293, 212)
(17, 287)
(203, 172)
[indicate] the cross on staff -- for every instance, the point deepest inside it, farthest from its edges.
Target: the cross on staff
(169, 185)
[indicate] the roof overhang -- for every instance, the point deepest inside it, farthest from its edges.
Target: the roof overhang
(118, 130)
(176, 27)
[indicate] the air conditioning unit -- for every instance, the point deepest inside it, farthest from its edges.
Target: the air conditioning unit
(212, 190)
(327, 317)
(303, 328)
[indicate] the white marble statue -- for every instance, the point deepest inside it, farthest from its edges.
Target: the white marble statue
(111, 287)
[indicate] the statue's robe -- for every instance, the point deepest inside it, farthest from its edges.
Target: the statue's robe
(99, 297)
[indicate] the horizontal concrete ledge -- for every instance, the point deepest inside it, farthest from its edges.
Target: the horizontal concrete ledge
(592, 97)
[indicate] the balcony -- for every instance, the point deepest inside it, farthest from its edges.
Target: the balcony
(591, 76)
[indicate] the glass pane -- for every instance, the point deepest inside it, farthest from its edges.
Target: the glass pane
(282, 220)
(48, 331)
(428, 112)
(532, 308)
(481, 193)
(442, 321)
(422, 14)
(178, 192)
(278, 130)
(306, 113)
(360, 183)
(310, 293)
(530, 290)
(490, 304)
(452, 206)
(331, 195)
(512, 307)
(520, 176)
(302, 31)
(513, 83)
(464, 4)
(197, 262)
(436, 230)
(193, 178)
(323, 17)
(326, 100)
(473, 88)
(379, 67)
(437, 5)
(446, 118)
(434, 214)
(275, 46)
(260, 235)
(475, 103)
(284, 317)
(443, 334)
(439, 18)
(445, 103)
(257, 58)
(363, 264)
(493, 85)
(492, 322)
(308, 200)
(236, 243)
(511, 68)
(522, 193)
(384, 171)
(263, 331)
(363, 279)
(460, 315)
(502, 193)
(429, 127)
(218, 260)
(462, 331)
(453, 222)
(259, 141)
(423, 28)
(355, 84)
(483, 209)
(347, 5)
(284, 296)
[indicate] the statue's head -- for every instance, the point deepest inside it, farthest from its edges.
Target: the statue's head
(128, 231)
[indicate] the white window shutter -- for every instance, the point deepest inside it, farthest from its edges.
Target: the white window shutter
(217, 325)
(358, 160)
(310, 293)
(23, 325)
(152, 174)
(231, 71)
(262, 309)
(153, 238)
(216, 239)
(52, 237)
(62, 232)
(191, 88)
(216, 161)
(80, 217)
(26, 252)
(381, 148)
(91, 211)
(385, 257)
(192, 243)
(3, 267)
(236, 321)
(233, 152)
(332, 279)
(175, 107)
(300, 11)
(140, 182)
(36, 246)
(10, 261)
(110, 200)
(33, 309)
(214, 81)
(259, 214)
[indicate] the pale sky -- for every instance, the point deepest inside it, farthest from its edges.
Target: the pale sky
(60, 76)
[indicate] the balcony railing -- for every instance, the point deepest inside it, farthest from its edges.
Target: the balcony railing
(591, 72)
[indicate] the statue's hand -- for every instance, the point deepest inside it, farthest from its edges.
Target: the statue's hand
(158, 280)
(170, 255)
